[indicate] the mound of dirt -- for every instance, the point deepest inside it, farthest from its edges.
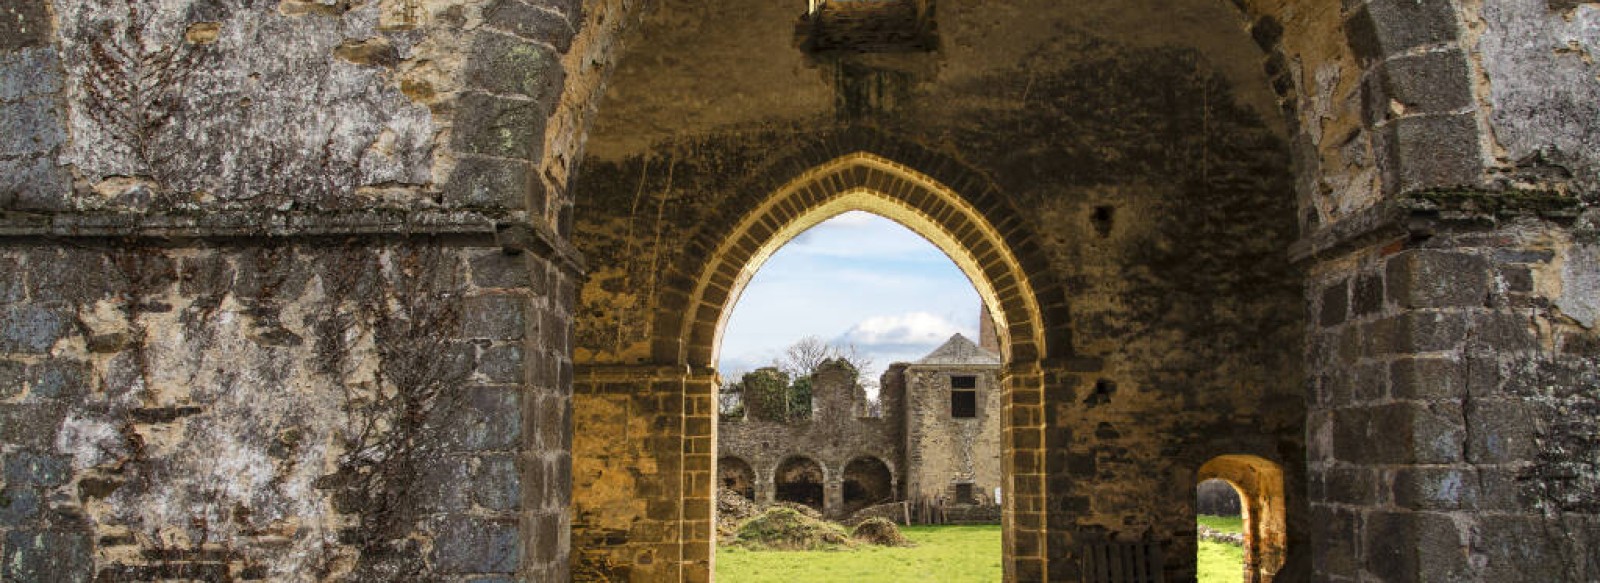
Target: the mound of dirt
(881, 532)
(801, 508)
(782, 528)
(732, 510)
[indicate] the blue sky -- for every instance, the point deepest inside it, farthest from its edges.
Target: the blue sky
(857, 278)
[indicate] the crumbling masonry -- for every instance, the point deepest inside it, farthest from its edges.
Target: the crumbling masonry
(430, 289)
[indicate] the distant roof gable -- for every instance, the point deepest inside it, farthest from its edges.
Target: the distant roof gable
(959, 350)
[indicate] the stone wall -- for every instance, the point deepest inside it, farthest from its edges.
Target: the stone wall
(257, 409)
(833, 436)
(282, 298)
(1451, 433)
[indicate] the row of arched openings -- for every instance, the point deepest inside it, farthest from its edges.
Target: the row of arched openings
(864, 482)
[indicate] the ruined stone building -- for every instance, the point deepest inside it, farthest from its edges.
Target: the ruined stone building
(375, 290)
(936, 438)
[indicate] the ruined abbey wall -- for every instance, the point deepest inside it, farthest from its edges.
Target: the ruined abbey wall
(833, 436)
(284, 297)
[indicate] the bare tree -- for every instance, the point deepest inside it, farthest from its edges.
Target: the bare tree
(806, 354)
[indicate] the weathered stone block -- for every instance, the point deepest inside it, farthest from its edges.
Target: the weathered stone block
(24, 467)
(1415, 546)
(1524, 548)
(441, 484)
(496, 269)
(1380, 28)
(34, 183)
(495, 317)
(30, 425)
(500, 127)
(59, 379)
(1368, 295)
(31, 329)
(480, 182)
(1433, 82)
(1337, 539)
(45, 555)
(475, 545)
(504, 64)
(1430, 151)
(18, 505)
(1423, 378)
(24, 23)
(1399, 433)
(1431, 279)
(502, 364)
(1501, 431)
(12, 377)
(1435, 489)
(29, 72)
(529, 21)
(1351, 485)
(488, 418)
(29, 126)
(1412, 332)
(497, 484)
(1335, 304)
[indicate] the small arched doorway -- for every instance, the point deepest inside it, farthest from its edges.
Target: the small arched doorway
(1259, 484)
(867, 481)
(799, 480)
(736, 474)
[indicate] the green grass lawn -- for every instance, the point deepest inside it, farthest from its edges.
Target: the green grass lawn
(1221, 563)
(1222, 523)
(943, 553)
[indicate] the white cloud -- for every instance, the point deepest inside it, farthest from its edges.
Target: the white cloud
(903, 330)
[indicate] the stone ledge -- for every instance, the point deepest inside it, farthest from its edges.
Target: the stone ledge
(625, 373)
(512, 232)
(1421, 214)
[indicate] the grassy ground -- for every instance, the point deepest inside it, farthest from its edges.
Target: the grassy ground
(1221, 563)
(943, 554)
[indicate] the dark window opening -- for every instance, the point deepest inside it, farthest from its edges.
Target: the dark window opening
(964, 494)
(963, 397)
(963, 404)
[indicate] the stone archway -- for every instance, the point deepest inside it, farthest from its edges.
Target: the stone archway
(736, 474)
(800, 480)
(1259, 483)
(963, 225)
(866, 481)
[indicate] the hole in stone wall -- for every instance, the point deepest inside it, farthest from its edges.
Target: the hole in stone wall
(1241, 520)
(737, 475)
(1103, 219)
(799, 480)
(867, 481)
(1220, 524)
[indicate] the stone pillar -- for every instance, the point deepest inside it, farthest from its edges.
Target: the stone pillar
(766, 493)
(1454, 398)
(643, 474)
(833, 496)
(1022, 462)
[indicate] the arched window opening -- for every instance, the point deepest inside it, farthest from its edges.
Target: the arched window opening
(867, 482)
(799, 480)
(1257, 487)
(737, 475)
